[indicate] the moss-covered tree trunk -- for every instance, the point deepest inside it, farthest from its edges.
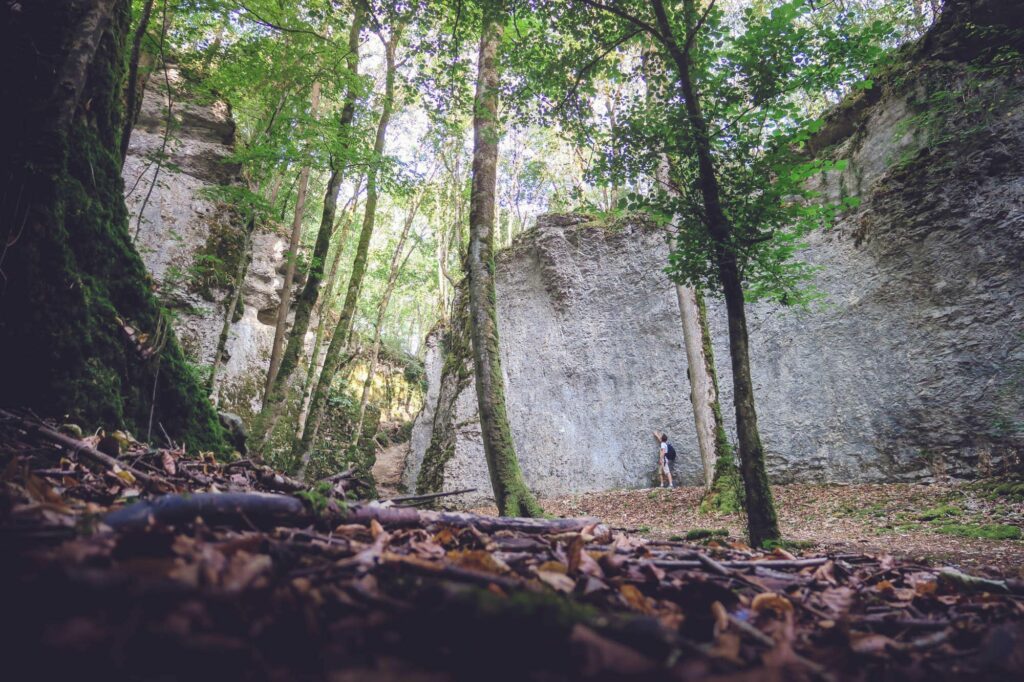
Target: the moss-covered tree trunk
(134, 83)
(336, 359)
(510, 492)
(725, 494)
(280, 382)
(762, 523)
(75, 298)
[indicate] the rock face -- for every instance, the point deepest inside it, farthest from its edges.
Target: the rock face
(186, 235)
(913, 368)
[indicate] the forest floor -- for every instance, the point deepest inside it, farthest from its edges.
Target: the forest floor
(125, 561)
(959, 524)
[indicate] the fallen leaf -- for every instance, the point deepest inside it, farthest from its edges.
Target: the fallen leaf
(871, 644)
(727, 647)
(167, 460)
(721, 617)
(600, 656)
(478, 560)
(825, 573)
(771, 601)
(560, 582)
(554, 567)
(635, 598)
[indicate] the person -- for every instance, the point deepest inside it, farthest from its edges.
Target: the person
(666, 455)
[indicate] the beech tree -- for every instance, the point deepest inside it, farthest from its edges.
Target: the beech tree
(336, 357)
(510, 492)
(283, 365)
(732, 125)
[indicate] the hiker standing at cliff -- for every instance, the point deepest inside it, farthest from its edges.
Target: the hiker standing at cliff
(666, 456)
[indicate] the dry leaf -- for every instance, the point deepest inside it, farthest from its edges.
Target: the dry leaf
(167, 460)
(721, 617)
(478, 560)
(826, 573)
(727, 646)
(375, 528)
(871, 644)
(554, 567)
(560, 582)
(635, 598)
(771, 601)
(600, 656)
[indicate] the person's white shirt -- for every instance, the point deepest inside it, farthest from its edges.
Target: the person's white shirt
(664, 447)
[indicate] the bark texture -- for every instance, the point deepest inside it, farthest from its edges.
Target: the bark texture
(510, 492)
(134, 83)
(74, 294)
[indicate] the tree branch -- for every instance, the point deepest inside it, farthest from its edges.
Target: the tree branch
(622, 14)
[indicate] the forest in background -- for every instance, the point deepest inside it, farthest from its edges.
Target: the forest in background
(396, 148)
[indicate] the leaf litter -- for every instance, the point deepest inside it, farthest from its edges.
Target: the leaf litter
(116, 576)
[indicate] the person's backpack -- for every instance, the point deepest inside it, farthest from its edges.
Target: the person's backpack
(670, 455)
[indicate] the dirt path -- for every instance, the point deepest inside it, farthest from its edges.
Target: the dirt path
(387, 470)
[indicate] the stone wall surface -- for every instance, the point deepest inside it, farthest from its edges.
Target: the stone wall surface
(912, 368)
(180, 215)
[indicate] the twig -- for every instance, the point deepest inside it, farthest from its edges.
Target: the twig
(78, 447)
(429, 496)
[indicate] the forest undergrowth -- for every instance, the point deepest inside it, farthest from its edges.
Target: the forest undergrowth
(133, 561)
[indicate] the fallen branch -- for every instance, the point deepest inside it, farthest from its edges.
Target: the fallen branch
(403, 516)
(267, 510)
(428, 496)
(263, 510)
(768, 563)
(79, 448)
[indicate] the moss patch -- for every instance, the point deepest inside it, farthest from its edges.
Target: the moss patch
(78, 298)
(994, 531)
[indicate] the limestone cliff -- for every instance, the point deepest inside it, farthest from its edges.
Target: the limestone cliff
(913, 367)
(190, 240)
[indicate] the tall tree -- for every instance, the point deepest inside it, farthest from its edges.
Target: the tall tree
(77, 317)
(279, 382)
(510, 492)
(397, 264)
(335, 358)
(735, 116)
(291, 259)
(135, 81)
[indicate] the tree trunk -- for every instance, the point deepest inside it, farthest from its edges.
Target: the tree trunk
(510, 492)
(323, 307)
(335, 358)
(397, 264)
(279, 383)
(726, 491)
(700, 369)
(74, 294)
(133, 92)
(702, 394)
(761, 520)
(293, 255)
